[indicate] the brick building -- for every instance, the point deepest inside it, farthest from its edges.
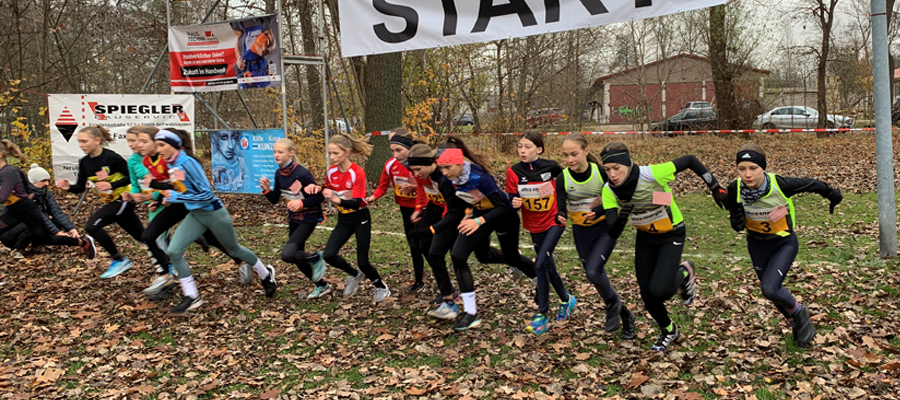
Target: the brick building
(666, 85)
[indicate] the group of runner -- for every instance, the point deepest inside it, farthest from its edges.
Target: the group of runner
(449, 201)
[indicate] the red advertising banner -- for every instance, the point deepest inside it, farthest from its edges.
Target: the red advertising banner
(239, 54)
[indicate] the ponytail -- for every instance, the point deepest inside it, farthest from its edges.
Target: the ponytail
(9, 149)
(354, 145)
(582, 141)
(454, 142)
(99, 132)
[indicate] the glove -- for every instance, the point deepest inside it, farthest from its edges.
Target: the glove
(738, 221)
(836, 197)
(719, 195)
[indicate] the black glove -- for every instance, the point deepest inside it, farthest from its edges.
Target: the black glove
(738, 221)
(835, 197)
(719, 195)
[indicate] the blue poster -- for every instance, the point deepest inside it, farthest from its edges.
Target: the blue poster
(241, 157)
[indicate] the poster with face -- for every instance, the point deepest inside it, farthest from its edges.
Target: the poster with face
(241, 157)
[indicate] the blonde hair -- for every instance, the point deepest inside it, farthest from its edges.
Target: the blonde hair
(580, 140)
(354, 145)
(291, 146)
(138, 129)
(421, 150)
(752, 147)
(99, 132)
(9, 149)
(615, 146)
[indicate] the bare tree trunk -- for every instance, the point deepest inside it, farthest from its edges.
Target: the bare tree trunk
(722, 71)
(382, 79)
(313, 79)
(826, 21)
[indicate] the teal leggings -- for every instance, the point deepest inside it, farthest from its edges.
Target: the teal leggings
(198, 221)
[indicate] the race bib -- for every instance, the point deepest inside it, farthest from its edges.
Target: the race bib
(579, 209)
(101, 175)
(475, 198)
(433, 194)
(762, 220)
(289, 195)
(537, 197)
(344, 195)
(399, 182)
(654, 221)
(296, 187)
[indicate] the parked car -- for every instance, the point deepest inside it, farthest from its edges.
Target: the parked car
(465, 119)
(688, 120)
(545, 116)
(798, 117)
(696, 105)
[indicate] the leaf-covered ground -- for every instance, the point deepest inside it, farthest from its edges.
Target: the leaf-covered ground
(67, 334)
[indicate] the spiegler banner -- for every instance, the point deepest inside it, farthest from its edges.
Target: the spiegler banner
(116, 112)
(241, 157)
(239, 54)
(386, 26)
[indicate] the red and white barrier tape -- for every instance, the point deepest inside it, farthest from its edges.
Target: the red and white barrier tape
(385, 133)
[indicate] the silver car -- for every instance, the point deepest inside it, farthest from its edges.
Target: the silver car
(798, 117)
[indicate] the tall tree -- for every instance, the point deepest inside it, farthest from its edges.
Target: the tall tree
(382, 79)
(722, 71)
(823, 10)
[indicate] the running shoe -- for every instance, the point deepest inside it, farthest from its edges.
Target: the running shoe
(116, 267)
(446, 310)
(352, 283)
(517, 274)
(804, 331)
(565, 309)
(157, 285)
(538, 324)
(16, 254)
(318, 268)
(90, 249)
(319, 291)
(689, 285)
(415, 287)
(269, 283)
(381, 293)
(613, 317)
(187, 304)
(466, 322)
(627, 324)
(246, 273)
(666, 339)
(166, 290)
(440, 298)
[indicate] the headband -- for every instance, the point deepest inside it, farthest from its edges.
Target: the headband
(402, 141)
(169, 137)
(420, 161)
(451, 156)
(618, 157)
(752, 156)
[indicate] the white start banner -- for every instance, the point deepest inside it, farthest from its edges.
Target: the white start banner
(386, 26)
(116, 112)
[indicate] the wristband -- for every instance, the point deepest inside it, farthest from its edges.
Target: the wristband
(432, 230)
(478, 221)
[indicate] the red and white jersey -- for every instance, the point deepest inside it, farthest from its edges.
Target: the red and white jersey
(347, 185)
(396, 174)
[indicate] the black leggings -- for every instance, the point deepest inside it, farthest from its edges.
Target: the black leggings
(545, 267)
(25, 211)
(657, 265)
(16, 237)
(415, 250)
(479, 241)
(166, 219)
(294, 252)
(358, 223)
(594, 247)
(437, 246)
(772, 260)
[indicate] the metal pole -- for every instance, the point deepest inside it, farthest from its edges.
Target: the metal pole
(322, 73)
(214, 113)
(284, 115)
(884, 151)
(249, 114)
(165, 48)
(81, 200)
(338, 97)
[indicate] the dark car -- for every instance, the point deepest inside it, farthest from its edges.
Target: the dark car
(688, 120)
(465, 119)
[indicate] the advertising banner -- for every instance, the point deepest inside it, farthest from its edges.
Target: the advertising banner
(241, 157)
(116, 112)
(387, 26)
(239, 54)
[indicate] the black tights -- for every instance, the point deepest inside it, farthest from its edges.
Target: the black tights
(657, 265)
(480, 241)
(294, 251)
(357, 223)
(122, 213)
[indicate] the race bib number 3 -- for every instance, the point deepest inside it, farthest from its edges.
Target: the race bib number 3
(763, 221)
(654, 221)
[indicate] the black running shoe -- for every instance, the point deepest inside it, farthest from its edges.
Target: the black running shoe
(416, 287)
(613, 312)
(466, 321)
(804, 330)
(689, 285)
(269, 283)
(666, 340)
(187, 304)
(165, 291)
(90, 249)
(627, 323)
(440, 299)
